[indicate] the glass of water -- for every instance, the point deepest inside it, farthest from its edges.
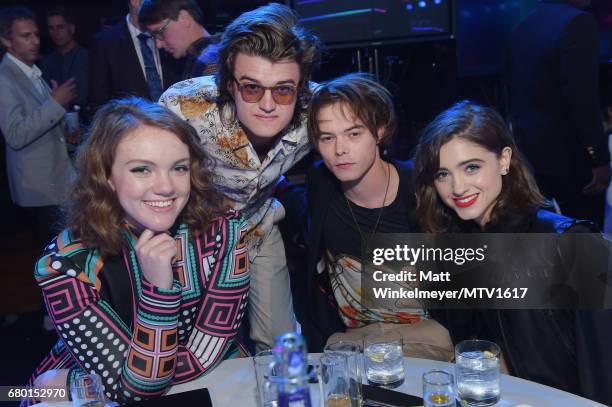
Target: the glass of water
(477, 372)
(438, 389)
(354, 362)
(384, 359)
(265, 371)
(86, 390)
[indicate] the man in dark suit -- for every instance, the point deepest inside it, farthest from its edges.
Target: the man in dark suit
(119, 67)
(552, 75)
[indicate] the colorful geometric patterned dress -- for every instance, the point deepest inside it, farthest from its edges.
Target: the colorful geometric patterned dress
(139, 338)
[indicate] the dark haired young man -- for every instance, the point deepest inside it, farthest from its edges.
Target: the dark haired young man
(177, 27)
(68, 59)
(352, 194)
(250, 120)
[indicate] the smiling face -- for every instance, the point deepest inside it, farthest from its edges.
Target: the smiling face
(150, 175)
(469, 179)
(348, 148)
(24, 41)
(265, 119)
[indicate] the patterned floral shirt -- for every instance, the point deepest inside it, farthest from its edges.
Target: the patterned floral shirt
(238, 171)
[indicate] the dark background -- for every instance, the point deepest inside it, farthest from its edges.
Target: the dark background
(425, 76)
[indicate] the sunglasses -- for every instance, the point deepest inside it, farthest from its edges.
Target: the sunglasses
(252, 92)
(158, 33)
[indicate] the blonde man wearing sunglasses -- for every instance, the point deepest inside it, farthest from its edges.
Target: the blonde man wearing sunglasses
(251, 119)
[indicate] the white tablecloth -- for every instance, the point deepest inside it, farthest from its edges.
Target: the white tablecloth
(233, 383)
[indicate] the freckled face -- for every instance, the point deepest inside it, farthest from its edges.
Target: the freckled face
(469, 179)
(150, 175)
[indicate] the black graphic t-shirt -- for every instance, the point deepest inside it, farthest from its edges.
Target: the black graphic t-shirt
(342, 242)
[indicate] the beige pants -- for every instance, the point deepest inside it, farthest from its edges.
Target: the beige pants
(426, 339)
(270, 303)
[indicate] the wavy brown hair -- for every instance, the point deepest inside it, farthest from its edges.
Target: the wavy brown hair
(482, 126)
(93, 213)
(368, 100)
(269, 32)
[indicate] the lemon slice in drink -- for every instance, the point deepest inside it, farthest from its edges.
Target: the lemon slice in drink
(488, 354)
(377, 356)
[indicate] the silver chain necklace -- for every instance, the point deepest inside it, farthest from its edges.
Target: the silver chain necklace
(380, 212)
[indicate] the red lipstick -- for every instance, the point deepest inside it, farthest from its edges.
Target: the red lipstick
(465, 201)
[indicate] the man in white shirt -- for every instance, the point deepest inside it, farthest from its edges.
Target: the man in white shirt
(32, 122)
(124, 61)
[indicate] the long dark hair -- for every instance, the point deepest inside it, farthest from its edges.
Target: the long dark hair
(482, 126)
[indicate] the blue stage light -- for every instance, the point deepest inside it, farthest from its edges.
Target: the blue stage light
(422, 4)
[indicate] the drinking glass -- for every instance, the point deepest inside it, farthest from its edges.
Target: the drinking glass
(477, 372)
(384, 359)
(354, 363)
(72, 122)
(265, 370)
(334, 380)
(86, 390)
(438, 389)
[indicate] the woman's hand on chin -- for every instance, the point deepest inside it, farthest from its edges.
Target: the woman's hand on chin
(155, 254)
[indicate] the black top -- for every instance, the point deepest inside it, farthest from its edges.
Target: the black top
(313, 297)
(73, 64)
(559, 348)
(394, 218)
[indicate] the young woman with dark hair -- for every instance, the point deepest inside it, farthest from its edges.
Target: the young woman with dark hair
(470, 177)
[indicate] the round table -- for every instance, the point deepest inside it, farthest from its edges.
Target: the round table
(234, 380)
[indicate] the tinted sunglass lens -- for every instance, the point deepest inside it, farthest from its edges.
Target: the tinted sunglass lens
(283, 96)
(252, 93)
